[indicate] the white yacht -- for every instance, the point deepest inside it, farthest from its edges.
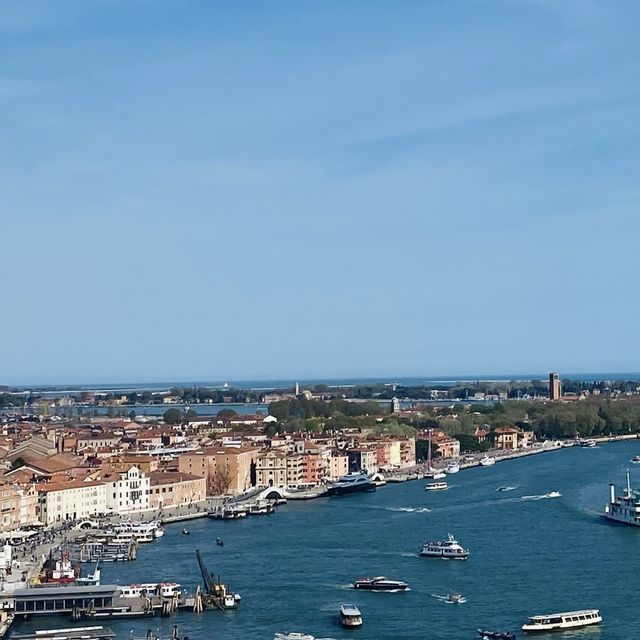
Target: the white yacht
(354, 482)
(448, 549)
(562, 621)
(164, 589)
(487, 461)
(624, 508)
(452, 467)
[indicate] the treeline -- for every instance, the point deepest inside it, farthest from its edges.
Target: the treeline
(303, 409)
(191, 395)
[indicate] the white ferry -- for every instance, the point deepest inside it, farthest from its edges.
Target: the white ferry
(164, 589)
(436, 486)
(562, 621)
(146, 530)
(448, 549)
(487, 461)
(350, 616)
(625, 508)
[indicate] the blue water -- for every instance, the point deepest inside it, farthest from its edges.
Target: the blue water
(529, 555)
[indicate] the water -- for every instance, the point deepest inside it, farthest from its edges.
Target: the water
(529, 554)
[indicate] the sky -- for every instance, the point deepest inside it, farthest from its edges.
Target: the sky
(202, 190)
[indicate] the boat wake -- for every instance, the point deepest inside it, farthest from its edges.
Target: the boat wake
(407, 554)
(410, 509)
(507, 488)
(449, 599)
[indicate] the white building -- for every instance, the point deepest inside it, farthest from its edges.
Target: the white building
(127, 490)
(70, 500)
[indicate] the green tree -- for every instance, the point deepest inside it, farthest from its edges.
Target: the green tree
(172, 416)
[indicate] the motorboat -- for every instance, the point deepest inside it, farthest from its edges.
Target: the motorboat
(354, 482)
(452, 467)
(164, 589)
(588, 443)
(220, 542)
(635, 459)
(562, 621)
(506, 488)
(350, 616)
(380, 584)
(436, 486)
(624, 508)
(487, 461)
(293, 635)
(448, 549)
(186, 532)
(496, 635)
(553, 494)
(455, 598)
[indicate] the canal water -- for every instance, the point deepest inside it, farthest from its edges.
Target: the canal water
(530, 554)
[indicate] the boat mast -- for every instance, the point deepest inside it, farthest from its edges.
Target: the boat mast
(429, 452)
(628, 484)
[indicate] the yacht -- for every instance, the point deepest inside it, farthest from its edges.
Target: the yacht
(380, 584)
(562, 621)
(354, 482)
(624, 508)
(435, 474)
(436, 486)
(452, 467)
(487, 461)
(448, 549)
(164, 589)
(350, 616)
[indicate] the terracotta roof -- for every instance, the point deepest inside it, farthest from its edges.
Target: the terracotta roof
(61, 486)
(171, 477)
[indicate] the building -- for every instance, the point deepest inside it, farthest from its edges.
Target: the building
(271, 469)
(127, 490)
(71, 500)
(228, 470)
(361, 459)
(507, 438)
(555, 386)
(172, 489)
(338, 464)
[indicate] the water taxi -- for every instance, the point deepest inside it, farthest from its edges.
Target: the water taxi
(562, 621)
(436, 486)
(380, 584)
(350, 616)
(625, 508)
(448, 549)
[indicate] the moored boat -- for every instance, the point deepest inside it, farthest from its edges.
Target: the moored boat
(448, 549)
(164, 589)
(380, 584)
(350, 616)
(354, 482)
(625, 508)
(487, 461)
(452, 467)
(562, 621)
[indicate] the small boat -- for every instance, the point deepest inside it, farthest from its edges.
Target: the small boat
(562, 621)
(448, 549)
(635, 460)
(588, 443)
(496, 635)
(452, 467)
(436, 486)
(487, 461)
(220, 542)
(380, 584)
(293, 635)
(553, 494)
(506, 488)
(350, 616)
(455, 598)
(186, 532)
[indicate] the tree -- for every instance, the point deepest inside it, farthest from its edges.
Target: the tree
(172, 416)
(132, 415)
(220, 479)
(227, 413)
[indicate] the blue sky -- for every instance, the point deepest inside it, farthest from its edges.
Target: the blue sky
(205, 190)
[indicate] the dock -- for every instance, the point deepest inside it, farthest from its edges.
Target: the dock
(71, 633)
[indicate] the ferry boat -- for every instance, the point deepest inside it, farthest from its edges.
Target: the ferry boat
(448, 549)
(355, 482)
(350, 616)
(625, 508)
(487, 461)
(380, 584)
(436, 486)
(562, 621)
(146, 530)
(452, 467)
(164, 589)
